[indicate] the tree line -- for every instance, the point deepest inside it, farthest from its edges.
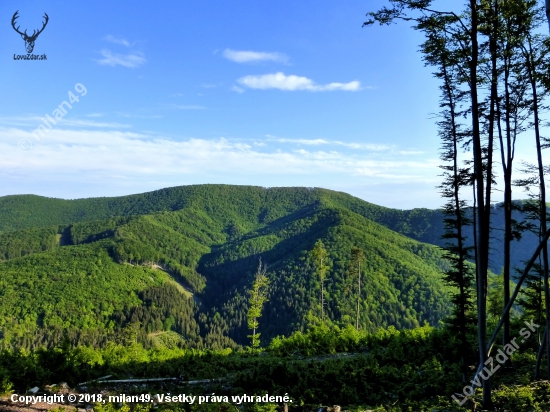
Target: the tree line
(492, 63)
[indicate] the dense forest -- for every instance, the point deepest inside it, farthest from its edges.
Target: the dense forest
(43, 215)
(491, 61)
(96, 281)
(306, 291)
(150, 293)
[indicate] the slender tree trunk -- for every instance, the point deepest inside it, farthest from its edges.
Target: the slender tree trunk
(542, 188)
(459, 221)
(358, 296)
(542, 244)
(322, 296)
(491, 129)
(507, 160)
(539, 354)
(483, 218)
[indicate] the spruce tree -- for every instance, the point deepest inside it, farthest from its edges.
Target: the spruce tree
(257, 296)
(319, 256)
(357, 257)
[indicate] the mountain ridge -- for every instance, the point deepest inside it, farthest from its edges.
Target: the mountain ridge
(425, 225)
(210, 239)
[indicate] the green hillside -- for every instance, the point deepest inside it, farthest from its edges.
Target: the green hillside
(124, 269)
(247, 202)
(244, 207)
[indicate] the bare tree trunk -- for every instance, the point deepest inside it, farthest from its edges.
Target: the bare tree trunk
(483, 212)
(507, 159)
(539, 354)
(458, 215)
(542, 188)
(545, 249)
(358, 297)
(542, 244)
(322, 297)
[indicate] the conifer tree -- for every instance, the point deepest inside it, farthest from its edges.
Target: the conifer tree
(319, 256)
(357, 257)
(257, 296)
(442, 52)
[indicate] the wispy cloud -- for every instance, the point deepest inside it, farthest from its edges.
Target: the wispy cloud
(129, 162)
(237, 89)
(33, 121)
(130, 60)
(247, 56)
(318, 142)
(411, 152)
(116, 40)
(89, 123)
(291, 83)
(125, 153)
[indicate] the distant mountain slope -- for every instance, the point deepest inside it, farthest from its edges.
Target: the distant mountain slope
(208, 238)
(259, 205)
(77, 293)
(26, 211)
(401, 281)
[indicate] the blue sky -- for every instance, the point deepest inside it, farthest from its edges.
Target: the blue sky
(268, 93)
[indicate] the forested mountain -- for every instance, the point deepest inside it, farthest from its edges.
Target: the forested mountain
(227, 203)
(172, 267)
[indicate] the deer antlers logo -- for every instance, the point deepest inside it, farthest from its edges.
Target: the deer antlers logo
(29, 40)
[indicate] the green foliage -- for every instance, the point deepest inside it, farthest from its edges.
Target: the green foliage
(357, 258)
(80, 293)
(28, 241)
(257, 296)
(319, 257)
(95, 283)
(244, 208)
(389, 370)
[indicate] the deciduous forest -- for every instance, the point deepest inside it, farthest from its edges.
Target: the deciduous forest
(306, 291)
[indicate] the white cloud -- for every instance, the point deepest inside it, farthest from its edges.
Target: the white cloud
(89, 123)
(132, 155)
(115, 40)
(283, 82)
(411, 152)
(105, 162)
(317, 142)
(244, 56)
(365, 146)
(130, 60)
(33, 121)
(237, 89)
(309, 142)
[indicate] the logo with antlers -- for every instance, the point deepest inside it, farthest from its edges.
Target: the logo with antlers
(29, 40)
